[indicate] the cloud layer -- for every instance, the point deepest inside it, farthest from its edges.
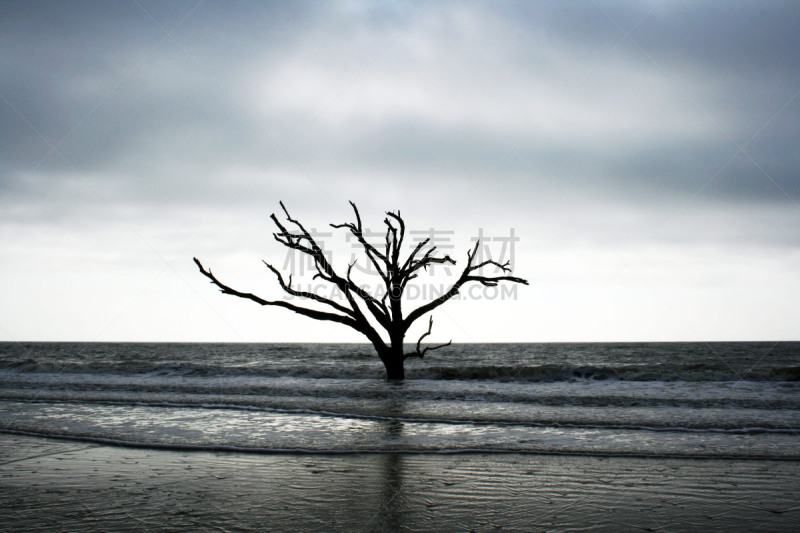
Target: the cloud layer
(616, 138)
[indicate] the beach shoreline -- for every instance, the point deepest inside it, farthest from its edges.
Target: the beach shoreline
(57, 485)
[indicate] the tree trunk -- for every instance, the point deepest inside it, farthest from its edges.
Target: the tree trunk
(393, 362)
(394, 370)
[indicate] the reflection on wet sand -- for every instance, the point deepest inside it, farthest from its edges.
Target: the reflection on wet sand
(51, 485)
(392, 500)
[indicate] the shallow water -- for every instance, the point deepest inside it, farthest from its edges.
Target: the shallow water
(666, 400)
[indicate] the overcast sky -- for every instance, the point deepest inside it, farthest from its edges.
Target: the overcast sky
(645, 154)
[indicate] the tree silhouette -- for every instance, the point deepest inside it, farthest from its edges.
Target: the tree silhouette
(395, 271)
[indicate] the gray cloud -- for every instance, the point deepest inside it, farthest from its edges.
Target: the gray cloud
(591, 126)
(462, 89)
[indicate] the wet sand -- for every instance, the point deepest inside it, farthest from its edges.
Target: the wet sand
(60, 485)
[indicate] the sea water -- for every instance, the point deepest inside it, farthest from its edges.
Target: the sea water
(714, 400)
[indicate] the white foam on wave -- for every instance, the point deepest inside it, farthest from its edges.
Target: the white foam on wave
(296, 433)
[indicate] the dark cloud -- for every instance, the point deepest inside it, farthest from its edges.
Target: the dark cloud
(600, 93)
(740, 38)
(651, 141)
(590, 124)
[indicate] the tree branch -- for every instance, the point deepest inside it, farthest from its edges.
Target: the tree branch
(311, 313)
(397, 241)
(376, 307)
(372, 253)
(466, 276)
(325, 271)
(287, 287)
(421, 354)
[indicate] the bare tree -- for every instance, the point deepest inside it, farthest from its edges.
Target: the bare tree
(364, 312)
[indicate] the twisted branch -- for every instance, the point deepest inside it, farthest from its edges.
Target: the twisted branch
(311, 313)
(421, 354)
(467, 275)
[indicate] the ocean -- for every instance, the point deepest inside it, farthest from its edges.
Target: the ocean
(708, 400)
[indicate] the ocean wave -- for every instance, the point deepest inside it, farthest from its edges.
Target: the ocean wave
(179, 369)
(724, 449)
(745, 411)
(432, 371)
(557, 372)
(775, 425)
(728, 399)
(580, 392)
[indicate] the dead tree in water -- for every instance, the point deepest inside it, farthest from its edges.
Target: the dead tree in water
(394, 270)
